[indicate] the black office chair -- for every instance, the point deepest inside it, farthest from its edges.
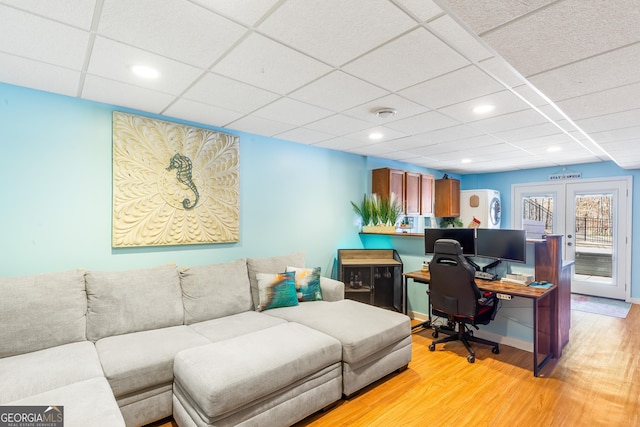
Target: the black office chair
(454, 295)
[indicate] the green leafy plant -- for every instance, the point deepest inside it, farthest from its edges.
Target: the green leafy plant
(450, 222)
(364, 210)
(374, 210)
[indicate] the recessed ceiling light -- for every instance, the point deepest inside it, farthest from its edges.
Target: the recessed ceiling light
(385, 113)
(146, 72)
(484, 108)
(376, 135)
(554, 149)
(465, 161)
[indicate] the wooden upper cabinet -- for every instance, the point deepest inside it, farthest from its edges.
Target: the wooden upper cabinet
(385, 181)
(412, 182)
(426, 194)
(447, 198)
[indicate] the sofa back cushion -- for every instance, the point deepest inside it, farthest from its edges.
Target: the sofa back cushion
(275, 264)
(41, 311)
(121, 302)
(215, 290)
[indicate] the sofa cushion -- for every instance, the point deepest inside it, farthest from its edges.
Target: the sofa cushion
(307, 283)
(32, 373)
(362, 329)
(276, 264)
(128, 301)
(228, 375)
(86, 403)
(235, 325)
(41, 311)
(216, 290)
(276, 290)
(140, 360)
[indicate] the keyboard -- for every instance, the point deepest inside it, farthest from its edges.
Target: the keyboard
(486, 276)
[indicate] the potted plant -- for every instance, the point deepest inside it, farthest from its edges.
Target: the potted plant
(378, 214)
(450, 222)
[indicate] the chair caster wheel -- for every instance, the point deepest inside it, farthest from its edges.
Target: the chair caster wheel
(495, 350)
(434, 334)
(432, 347)
(471, 358)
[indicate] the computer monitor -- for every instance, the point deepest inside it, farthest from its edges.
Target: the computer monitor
(465, 236)
(502, 244)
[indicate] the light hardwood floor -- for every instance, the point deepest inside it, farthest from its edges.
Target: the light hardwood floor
(595, 383)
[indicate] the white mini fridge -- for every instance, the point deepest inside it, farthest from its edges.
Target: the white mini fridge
(481, 206)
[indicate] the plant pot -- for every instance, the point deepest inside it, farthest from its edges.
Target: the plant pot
(381, 229)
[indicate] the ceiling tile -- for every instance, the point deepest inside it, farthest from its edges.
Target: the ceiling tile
(387, 135)
(601, 72)
(287, 110)
(32, 37)
(452, 133)
(114, 60)
(457, 86)
(38, 75)
(248, 12)
(556, 35)
(267, 64)
(304, 136)
(122, 94)
(610, 121)
(609, 101)
(202, 113)
(342, 144)
(338, 91)
(527, 132)
(213, 89)
(78, 13)
(505, 122)
(339, 124)
(423, 9)
(505, 102)
(465, 43)
(336, 23)
(177, 29)
(422, 123)
(403, 62)
(495, 12)
(260, 126)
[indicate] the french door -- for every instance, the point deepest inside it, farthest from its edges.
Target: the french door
(594, 216)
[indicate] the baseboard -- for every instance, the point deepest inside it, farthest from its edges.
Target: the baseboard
(511, 342)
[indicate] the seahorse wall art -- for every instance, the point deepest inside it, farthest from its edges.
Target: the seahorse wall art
(183, 167)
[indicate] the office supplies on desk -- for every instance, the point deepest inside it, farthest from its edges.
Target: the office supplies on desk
(486, 276)
(543, 285)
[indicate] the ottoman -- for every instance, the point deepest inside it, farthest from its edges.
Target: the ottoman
(271, 377)
(375, 341)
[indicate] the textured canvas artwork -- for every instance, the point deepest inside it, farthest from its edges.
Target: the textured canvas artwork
(173, 184)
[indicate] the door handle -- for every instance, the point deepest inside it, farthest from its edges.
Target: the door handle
(569, 236)
(569, 244)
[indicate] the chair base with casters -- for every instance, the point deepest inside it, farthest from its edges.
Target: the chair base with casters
(461, 333)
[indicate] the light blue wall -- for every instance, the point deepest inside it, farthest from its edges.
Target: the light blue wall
(57, 199)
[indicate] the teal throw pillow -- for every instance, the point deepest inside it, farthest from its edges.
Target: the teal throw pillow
(307, 283)
(276, 290)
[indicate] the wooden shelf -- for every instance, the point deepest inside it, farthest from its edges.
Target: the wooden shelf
(369, 261)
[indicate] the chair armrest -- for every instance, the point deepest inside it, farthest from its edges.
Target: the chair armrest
(332, 290)
(488, 298)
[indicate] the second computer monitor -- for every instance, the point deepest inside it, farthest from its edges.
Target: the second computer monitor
(465, 236)
(502, 244)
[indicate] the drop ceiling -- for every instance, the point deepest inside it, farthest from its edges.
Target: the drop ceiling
(563, 76)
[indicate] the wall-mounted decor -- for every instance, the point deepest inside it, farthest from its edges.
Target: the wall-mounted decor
(173, 184)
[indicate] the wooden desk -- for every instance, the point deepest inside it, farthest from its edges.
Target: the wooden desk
(545, 322)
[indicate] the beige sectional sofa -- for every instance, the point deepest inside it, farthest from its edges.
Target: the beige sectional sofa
(132, 347)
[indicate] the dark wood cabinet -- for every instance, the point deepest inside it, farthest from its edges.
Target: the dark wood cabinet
(426, 194)
(447, 198)
(413, 190)
(385, 181)
(372, 276)
(412, 182)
